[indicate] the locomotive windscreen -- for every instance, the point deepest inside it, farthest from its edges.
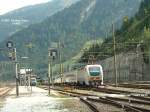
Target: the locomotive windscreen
(94, 71)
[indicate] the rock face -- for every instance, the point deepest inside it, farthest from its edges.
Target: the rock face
(130, 67)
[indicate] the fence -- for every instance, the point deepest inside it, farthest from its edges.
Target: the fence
(7, 72)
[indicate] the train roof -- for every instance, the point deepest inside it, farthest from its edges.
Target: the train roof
(94, 65)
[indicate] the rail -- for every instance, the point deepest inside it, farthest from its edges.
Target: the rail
(86, 98)
(4, 91)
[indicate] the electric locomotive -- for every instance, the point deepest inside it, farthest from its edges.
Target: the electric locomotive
(90, 75)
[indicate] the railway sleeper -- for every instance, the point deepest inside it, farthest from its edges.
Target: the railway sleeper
(90, 105)
(130, 100)
(140, 97)
(128, 108)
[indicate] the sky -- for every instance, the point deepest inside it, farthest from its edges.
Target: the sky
(9, 5)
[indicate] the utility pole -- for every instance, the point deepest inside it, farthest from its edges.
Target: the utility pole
(16, 70)
(29, 78)
(137, 62)
(60, 61)
(114, 48)
(49, 71)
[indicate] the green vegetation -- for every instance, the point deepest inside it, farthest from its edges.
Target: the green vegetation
(18, 19)
(73, 63)
(86, 20)
(134, 31)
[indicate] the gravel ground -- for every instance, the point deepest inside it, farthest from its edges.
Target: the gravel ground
(137, 105)
(76, 106)
(106, 107)
(147, 91)
(39, 101)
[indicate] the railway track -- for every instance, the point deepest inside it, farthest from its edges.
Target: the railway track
(124, 106)
(117, 102)
(114, 91)
(138, 104)
(113, 101)
(138, 86)
(82, 99)
(138, 95)
(141, 98)
(117, 91)
(4, 91)
(90, 105)
(130, 100)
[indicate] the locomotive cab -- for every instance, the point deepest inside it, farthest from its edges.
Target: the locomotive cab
(95, 74)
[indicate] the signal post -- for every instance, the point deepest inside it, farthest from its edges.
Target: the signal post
(13, 57)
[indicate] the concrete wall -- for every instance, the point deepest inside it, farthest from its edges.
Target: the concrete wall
(130, 67)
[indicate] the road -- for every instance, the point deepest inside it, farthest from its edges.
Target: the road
(39, 101)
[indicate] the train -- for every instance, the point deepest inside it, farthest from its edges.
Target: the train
(89, 75)
(33, 81)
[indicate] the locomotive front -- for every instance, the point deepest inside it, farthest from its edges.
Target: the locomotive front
(95, 74)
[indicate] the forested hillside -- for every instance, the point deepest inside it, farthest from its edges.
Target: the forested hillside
(18, 19)
(134, 32)
(83, 21)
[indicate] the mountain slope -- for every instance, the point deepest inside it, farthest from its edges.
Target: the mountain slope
(21, 18)
(73, 26)
(134, 32)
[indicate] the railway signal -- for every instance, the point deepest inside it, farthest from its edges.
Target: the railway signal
(9, 44)
(52, 54)
(13, 56)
